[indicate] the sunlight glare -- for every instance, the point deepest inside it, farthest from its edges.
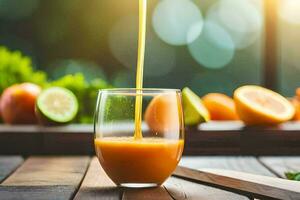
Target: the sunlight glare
(214, 48)
(172, 20)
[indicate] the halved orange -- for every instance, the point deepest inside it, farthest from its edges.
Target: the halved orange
(256, 105)
(220, 106)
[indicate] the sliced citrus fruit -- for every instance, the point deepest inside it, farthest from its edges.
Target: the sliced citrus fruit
(194, 110)
(163, 114)
(256, 105)
(220, 106)
(56, 105)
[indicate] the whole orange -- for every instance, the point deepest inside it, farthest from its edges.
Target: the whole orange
(298, 94)
(220, 106)
(163, 114)
(17, 103)
(296, 105)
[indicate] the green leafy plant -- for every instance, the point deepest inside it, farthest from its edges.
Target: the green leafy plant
(293, 176)
(16, 68)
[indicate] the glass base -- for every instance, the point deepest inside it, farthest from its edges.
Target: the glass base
(138, 185)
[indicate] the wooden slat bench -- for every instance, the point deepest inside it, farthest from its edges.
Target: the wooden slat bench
(81, 177)
(213, 138)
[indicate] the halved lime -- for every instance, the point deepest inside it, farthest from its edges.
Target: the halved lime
(194, 110)
(57, 104)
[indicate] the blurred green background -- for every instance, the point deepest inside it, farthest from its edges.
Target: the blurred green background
(207, 45)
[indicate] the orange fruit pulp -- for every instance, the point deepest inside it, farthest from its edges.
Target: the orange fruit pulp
(148, 160)
(220, 106)
(256, 105)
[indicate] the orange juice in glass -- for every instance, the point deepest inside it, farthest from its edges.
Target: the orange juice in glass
(139, 156)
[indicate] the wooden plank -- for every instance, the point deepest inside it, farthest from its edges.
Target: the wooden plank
(59, 192)
(27, 142)
(280, 165)
(74, 128)
(159, 193)
(8, 164)
(199, 141)
(244, 164)
(61, 140)
(96, 184)
(182, 189)
(255, 185)
(68, 143)
(213, 138)
(234, 138)
(45, 178)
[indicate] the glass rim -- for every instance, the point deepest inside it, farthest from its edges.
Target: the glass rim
(134, 90)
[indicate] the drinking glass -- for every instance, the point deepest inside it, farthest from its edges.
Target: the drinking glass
(139, 153)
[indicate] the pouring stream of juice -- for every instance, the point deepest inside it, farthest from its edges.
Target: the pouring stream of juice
(140, 68)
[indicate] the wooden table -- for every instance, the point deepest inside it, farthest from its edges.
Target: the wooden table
(81, 177)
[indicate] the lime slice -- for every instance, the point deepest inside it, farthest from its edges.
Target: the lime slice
(194, 110)
(58, 105)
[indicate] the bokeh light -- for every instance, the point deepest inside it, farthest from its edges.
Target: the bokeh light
(61, 41)
(241, 19)
(16, 9)
(290, 11)
(159, 59)
(214, 48)
(89, 69)
(172, 20)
